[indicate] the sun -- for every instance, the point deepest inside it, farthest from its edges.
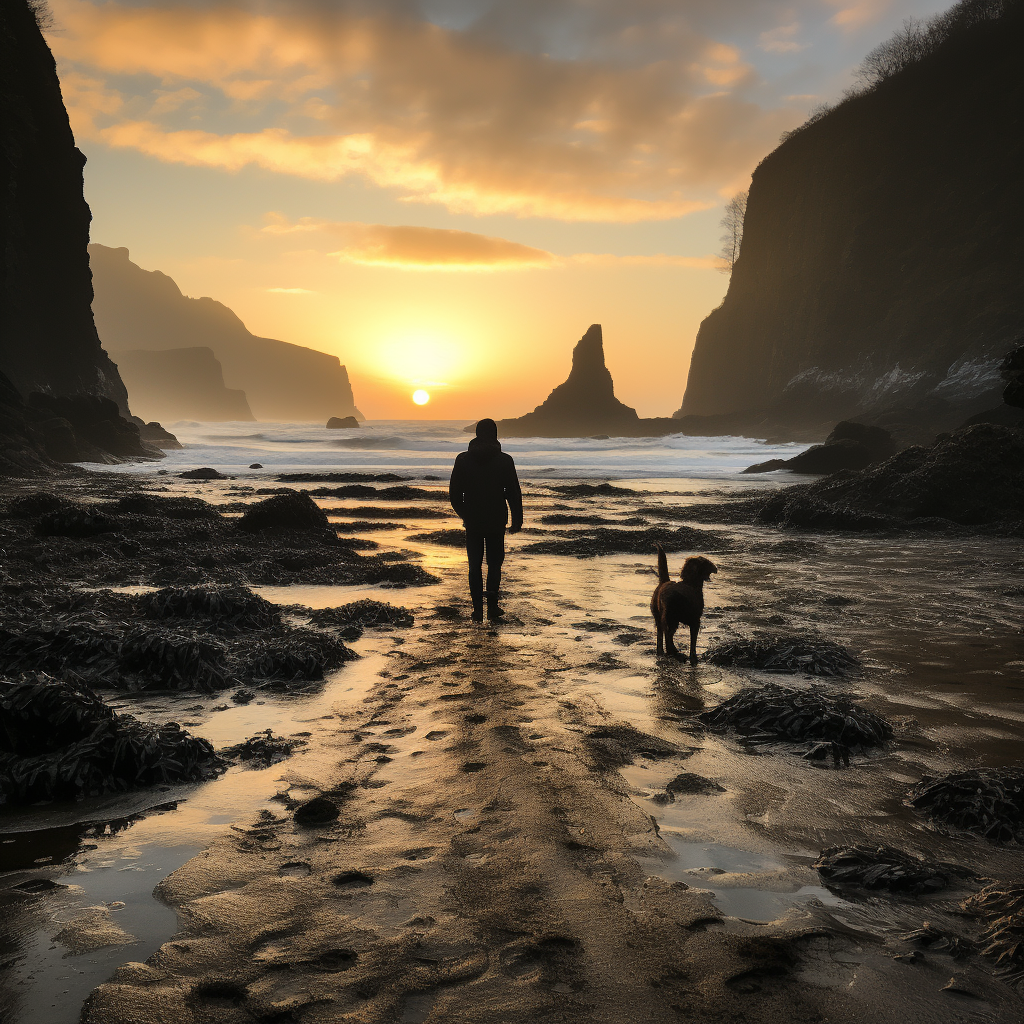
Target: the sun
(421, 397)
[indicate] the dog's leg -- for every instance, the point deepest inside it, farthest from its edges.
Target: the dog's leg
(694, 630)
(661, 644)
(670, 644)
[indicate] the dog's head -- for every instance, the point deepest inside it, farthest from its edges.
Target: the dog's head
(698, 569)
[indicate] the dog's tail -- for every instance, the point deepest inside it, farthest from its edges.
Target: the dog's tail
(663, 576)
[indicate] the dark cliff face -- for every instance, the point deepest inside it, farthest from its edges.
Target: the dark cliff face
(142, 309)
(584, 404)
(48, 340)
(881, 275)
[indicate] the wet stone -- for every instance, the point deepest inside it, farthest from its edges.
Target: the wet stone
(318, 811)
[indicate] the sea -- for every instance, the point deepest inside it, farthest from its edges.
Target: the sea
(422, 449)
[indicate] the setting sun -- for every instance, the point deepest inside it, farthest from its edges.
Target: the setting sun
(420, 397)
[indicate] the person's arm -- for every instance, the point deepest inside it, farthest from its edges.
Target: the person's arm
(514, 497)
(457, 488)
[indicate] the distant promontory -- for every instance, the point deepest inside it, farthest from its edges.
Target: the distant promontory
(144, 311)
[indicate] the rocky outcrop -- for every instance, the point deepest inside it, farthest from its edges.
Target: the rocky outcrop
(181, 383)
(881, 274)
(48, 340)
(342, 422)
(140, 309)
(972, 477)
(584, 404)
(848, 446)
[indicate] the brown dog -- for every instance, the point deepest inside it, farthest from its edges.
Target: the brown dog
(673, 604)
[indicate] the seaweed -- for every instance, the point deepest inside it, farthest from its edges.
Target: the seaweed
(609, 541)
(58, 741)
(592, 490)
(774, 713)
(171, 659)
(879, 867)
(986, 801)
(75, 522)
(262, 750)
(298, 654)
(363, 613)
(1001, 906)
(446, 538)
(235, 607)
(815, 656)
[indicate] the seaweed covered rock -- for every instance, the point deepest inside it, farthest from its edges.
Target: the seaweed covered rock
(157, 506)
(815, 656)
(363, 613)
(202, 473)
(166, 659)
(262, 750)
(879, 867)
(972, 477)
(219, 607)
(444, 538)
(293, 511)
(986, 801)
(299, 654)
(610, 541)
(1001, 907)
(771, 713)
(58, 741)
(74, 521)
(849, 446)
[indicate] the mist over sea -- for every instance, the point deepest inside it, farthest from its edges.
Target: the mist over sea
(418, 449)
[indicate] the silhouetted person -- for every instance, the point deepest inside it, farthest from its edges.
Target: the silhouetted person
(484, 488)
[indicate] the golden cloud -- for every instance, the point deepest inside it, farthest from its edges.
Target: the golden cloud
(419, 248)
(442, 116)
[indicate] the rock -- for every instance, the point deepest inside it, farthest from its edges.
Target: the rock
(862, 228)
(340, 423)
(293, 511)
(256, 465)
(585, 404)
(97, 423)
(848, 446)
(689, 784)
(1012, 373)
(974, 477)
(156, 434)
(318, 811)
(204, 473)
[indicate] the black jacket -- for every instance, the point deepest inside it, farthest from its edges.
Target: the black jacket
(484, 488)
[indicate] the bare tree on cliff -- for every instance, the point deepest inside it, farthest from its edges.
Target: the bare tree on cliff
(735, 211)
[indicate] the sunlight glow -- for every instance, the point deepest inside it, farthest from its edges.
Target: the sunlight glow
(420, 397)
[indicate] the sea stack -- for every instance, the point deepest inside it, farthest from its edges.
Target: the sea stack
(585, 404)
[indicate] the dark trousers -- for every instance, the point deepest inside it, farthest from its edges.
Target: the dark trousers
(476, 544)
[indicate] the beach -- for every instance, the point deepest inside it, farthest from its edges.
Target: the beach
(512, 841)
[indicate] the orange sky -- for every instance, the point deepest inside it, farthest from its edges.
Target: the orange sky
(447, 193)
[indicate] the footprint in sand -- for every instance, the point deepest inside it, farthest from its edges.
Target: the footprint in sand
(353, 880)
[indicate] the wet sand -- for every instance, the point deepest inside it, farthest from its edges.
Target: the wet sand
(502, 851)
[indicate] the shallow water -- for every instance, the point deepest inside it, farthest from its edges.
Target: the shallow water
(936, 620)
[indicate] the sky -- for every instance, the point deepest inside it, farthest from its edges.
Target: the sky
(447, 193)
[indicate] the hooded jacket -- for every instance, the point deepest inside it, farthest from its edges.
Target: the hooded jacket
(484, 487)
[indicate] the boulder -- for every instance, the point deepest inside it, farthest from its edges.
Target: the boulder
(155, 433)
(849, 446)
(342, 422)
(293, 511)
(203, 473)
(1012, 373)
(98, 425)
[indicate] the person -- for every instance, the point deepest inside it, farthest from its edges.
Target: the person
(483, 490)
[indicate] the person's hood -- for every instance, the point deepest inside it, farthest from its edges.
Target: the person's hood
(481, 448)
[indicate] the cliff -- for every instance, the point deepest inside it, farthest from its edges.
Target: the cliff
(881, 273)
(48, 340)
(140, 309)
(180, 383)
(584, 404)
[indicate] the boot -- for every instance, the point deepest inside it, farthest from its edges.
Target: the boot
(478, 602)
(494, 613)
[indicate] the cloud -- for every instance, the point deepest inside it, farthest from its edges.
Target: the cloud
(781, 39)
(461, 118)
(419, 248)
(859, 14)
